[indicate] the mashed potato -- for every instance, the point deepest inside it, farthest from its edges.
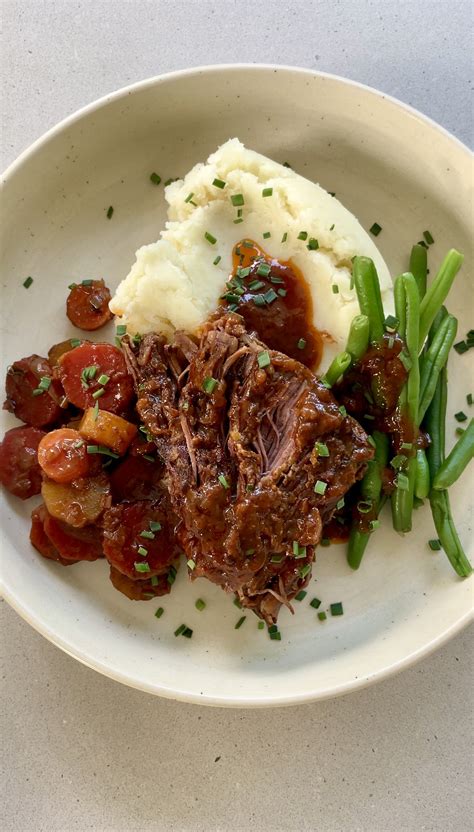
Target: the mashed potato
(176, 282)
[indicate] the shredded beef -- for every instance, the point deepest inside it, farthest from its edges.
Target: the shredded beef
(242, 459)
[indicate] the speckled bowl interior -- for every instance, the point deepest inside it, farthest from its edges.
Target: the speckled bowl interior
(387, 164)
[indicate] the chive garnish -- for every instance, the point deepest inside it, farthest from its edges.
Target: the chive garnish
(460, 416)
(301, 343)
(180, 629)
(120, 330)
(303, 235)
(209, 384)
(101, 449)
(259, 300)
(461, 347)
(255, 285)
(149, 535)
(332, 227)
(264, 359)
(98, 393)
(142, 551)
(266, 235)
(304, 570)
(261, 625)
(285, 237)
(237, 200)
(282, 293)
(241, 273)
(200, 604)
(210, 239)
(237, 603)
(435, 545)
(159, 611)
(301, 595)
(469, 398)
(103, 379)
(267, 192)
(321, 449)
(428, 237)
(275, 636)
(171, 576)
(374, 524)
(154, 525)
(336, 609)
(275, 279)
(149, 457)
(169, 181)
(142, 567)
(340, 504)
(95, 411)
(342, 410)
(313, 244)
(322, 616)
(375, 229)
(110, 211)
(191, 564)
(315, 603)
(87, 282)
(238, 220)
(27, 283)
(276, 558)
(406, 446)
(155, 178)
(335, 289)
(270, 296)
(240, 622)
(223, 481)
(390, 323)
(364, 506)
(75, 342)
(219, 183)
(154, 580)
(217, 260)
(189, 198)
(320, 487)
(264, 269)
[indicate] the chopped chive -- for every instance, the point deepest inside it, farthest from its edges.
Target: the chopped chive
(342, 410)
(87, 282)
(27, 283)
(364, 506)
(98, 393)
(275, 636)
(320, 487)
(44, 383)
(390, 323)
(209, 384)
(219, 183)
(264, 359)
(422, 243)
(399, 461)
(282, 293)
(217, 260)
(249, 552)
(37, 392)
(336, 609)
(142, 551)
(321, 449)
(142, 567)
(155, 178)
(240, 622)
(428, 237)
(200, 605)
(169, 181)
(461, 347)
(241, 273)
(237, 200)
(147, 534)
(154, 525)
(375, 229)
(275, 279)
(154, 580)
(301, 595)
(223, 481)
(316, 603)
(264, 269)
(402, 482)
(406, 446)
(171, 576)
(460, 416)
(238, 220)
(469, 398)
(267, 192)
(276, 558)
(180, 629)
(76, 342)
(188, 633)
(374, 524)
(255, 285)
(304, 570)
(231, 297)
(101, 449)
(149, 457)
(435, 545)
(110, 211)
(273, 628)
(210, 239)
(303, 235)
(159, 612)
(189, 198)
(335, 289)
(322, 616)
(270, 296)
(191, 564)
(459, 431)
(120, 330)
(285, 237)
(340, 503)
(313, 244)
(261, 625)
(332, 227)
(237, 603)
(103, 379)
(266, 235)
(301, 344)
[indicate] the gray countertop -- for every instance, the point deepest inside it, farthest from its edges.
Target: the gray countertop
(80, 752)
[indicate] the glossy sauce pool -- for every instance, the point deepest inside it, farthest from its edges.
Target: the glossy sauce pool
(274, 300)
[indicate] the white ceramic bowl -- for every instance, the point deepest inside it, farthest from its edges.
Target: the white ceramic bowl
(388, 164)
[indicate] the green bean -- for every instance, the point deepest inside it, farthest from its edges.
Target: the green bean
(438, 291)
(422, 476)
(418, 267)
(457, 460)
(433, 360)
(439, 500)
(367, 286)
(407, 305)
(358, 339)
(337, 368)
(370, 490)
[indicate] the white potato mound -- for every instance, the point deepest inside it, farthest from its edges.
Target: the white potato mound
(176, 283)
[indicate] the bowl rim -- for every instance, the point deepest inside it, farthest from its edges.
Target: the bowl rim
(15, 602)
